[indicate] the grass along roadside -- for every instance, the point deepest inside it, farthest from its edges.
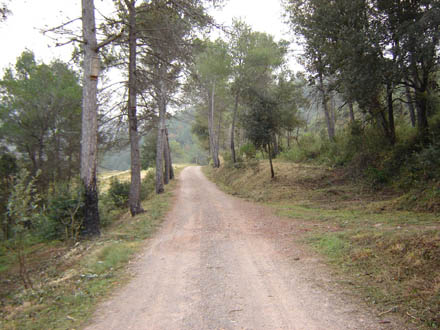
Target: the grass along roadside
(70, 281)
(392, 257)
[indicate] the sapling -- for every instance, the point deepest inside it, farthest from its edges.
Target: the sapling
(23, 211)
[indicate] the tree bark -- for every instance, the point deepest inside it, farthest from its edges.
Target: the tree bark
(422, 115)
(391, 125)
(217, 141)
(410, 104)
(170, 167)
(213, 145)
(160, 133)
(272, 172)
(166, 155)
(135, 186)
(276, 150)
(325, 107)
(421, 94)
(234, 119)
(350, 107)
(89, 138)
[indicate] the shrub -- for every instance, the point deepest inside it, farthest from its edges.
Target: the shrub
(64, 212)
(429, 160)
(119, 193)
(148, 185)
(248, 151)
(307, 149)
(376, 177)
(24, 212)
(8, 169)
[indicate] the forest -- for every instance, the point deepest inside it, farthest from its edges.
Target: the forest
(366, 103)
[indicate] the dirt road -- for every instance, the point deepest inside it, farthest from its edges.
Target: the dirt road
(219, 262)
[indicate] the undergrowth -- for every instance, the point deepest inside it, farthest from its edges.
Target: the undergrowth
(410, 166)
(69, 281)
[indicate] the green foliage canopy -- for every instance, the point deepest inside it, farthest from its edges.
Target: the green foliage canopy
(40, 115)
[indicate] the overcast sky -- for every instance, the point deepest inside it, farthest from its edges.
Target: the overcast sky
(22, 29)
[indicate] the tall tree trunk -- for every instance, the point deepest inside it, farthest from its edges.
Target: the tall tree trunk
(166, 155)
(422, 115)
(89, 137)
(272, 172)
(391, 125)
(325, 107)
(217, 141)
(234, 119)
(410, 104)
(211, 129)
(350, 107)
(135, 186)
(421, 101)
(276, 150)
(160, 132)
(171, 170)
(384, 123)
(381, 117)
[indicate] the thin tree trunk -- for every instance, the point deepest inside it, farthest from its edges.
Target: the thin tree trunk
(171, 170)
(234, 119)
(421, 92)
(422, 115)
(210, 130)
(350, 107)
(385, 126)
(276, 150)
(333, 114)
(166, 154)
(89, 137)
(212, 135)
(391, 125)
(272, 172)
(160, 134)
(410, 104)
(381, 117)
(328, 116)
(135, 186)
(217, 141)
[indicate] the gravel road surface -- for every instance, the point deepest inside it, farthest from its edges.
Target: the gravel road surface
(219, 262)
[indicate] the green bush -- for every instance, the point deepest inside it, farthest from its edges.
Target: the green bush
(148, 185)
(8, 169)
(64, 212)
(376, 177)
(119, 193)
(308, 149)
(429, 160)
(24, 212)
(248, 151)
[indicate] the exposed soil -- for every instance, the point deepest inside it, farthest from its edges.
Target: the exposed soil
(220, 262)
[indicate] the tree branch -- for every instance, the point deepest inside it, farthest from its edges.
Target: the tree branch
(109, 40)
(61, 26)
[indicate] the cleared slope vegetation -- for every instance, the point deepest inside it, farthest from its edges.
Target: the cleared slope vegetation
(390, 256)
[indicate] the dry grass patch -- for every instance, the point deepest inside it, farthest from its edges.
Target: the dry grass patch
(390, 256)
